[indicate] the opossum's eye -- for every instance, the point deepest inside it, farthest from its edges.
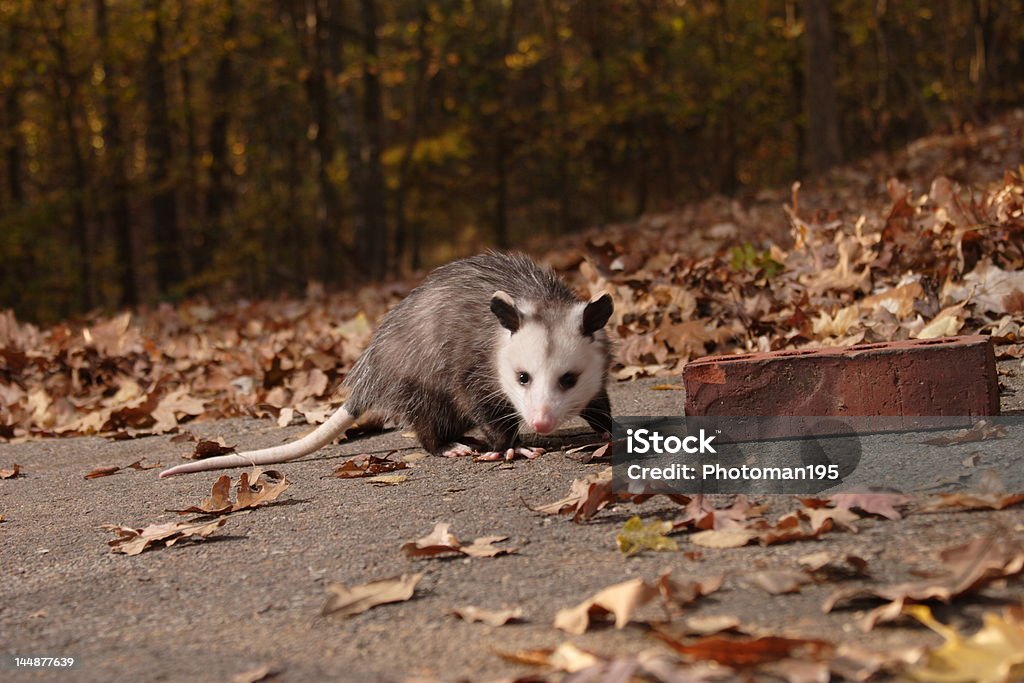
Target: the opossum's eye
(523, 377)
(568, 380)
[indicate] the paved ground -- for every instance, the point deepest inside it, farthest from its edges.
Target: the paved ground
(208, 611)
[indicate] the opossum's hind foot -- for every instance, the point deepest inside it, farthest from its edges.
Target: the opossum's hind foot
(509, 454)
(457, 450)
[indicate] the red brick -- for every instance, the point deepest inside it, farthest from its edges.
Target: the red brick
(951, 376)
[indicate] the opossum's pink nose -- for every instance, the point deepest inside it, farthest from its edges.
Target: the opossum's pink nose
(543, 423)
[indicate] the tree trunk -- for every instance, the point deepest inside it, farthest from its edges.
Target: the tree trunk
(13, 141)
(160, 154)
(114, 147)
(66, 91)
(416, 103)
(373, 242)
(218, 197)
(197, 256)
(562, 182)
(823, 149)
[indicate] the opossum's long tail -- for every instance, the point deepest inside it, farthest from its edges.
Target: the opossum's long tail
(335, 426)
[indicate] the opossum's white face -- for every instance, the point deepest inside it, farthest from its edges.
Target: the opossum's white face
(550, 367)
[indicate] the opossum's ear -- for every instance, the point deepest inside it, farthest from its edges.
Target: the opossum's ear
(504, 308)
(596, 314)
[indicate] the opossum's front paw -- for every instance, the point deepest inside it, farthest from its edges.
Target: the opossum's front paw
(458, 450)
(510, 454)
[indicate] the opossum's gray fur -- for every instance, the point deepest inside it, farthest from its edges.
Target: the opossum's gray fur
(431, 362)
(431, 359)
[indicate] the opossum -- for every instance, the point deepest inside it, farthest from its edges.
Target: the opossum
(491, 341)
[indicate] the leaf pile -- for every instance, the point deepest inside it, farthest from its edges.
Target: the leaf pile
(865, 257)
(254, 488)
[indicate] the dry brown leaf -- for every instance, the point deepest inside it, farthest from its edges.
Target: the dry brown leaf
(11, 472)
(881, 504)
(438, 542)
(140, 465)
(484, 547)
(389, 479)
(700, 625)
(487, 616)
(723, 538)
(254, 675)
(441, 541)
(741, 652)
(132, 541)
(367, 466)
(620, 600)
(208, 449)
(779, 581)
(678, 594)
(102, 472)
(586, 497)
(531, 657)
(266, 488)
(348, 602)
(982, 430)
(972, 501)
(970, 567)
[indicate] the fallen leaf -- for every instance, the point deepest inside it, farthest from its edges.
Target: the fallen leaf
(349, 602)
(746, 652)
(102, 472)
(367, 466)
(442, 542)
(265, 488)
(969, 567)
(531, 657)
(881, 504)
(209, 449)
(972, 501)
(586, 497)
(620, 600)
(438, 542)
(815, 561)
(636, 536)
(723, 538)
(140, 465)
(133, 541)
(706, 625)
(484, 547)
(259, 673)
(571, 659)
(982, 430)
(487, 616)
(677, 594)
(779, 581)
(11, 472)
(389, 479)
(994, 654)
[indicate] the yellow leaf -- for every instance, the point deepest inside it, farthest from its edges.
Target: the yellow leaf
(992, 655)
(636, 536)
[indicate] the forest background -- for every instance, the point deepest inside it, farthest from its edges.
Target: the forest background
(159, 149)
